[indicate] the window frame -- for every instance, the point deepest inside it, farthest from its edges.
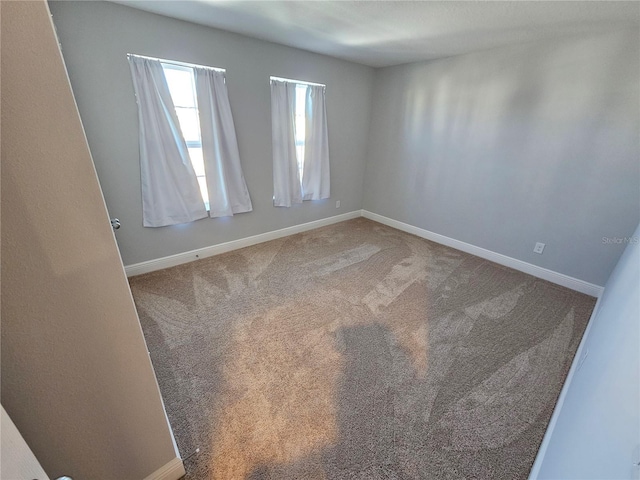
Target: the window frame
(299, 143)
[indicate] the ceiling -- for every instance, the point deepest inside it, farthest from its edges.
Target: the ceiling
(384, 33)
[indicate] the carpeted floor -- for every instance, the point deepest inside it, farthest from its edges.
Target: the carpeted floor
(356, 351)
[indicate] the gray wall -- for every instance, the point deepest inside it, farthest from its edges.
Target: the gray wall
(500, 149)
(507, 147)
(76, 375)
(597, 434)
(96, 37)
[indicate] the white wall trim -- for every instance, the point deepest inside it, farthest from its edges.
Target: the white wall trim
(185, 257)
(170, 471)
(540, 272)
(578, 358)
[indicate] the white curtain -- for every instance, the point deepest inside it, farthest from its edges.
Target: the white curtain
(286, 176)
(170, 191)
(315, 177)
(228, 192)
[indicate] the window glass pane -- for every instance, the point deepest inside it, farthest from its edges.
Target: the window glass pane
(301, 93)
(196, 160)
(202, 181)
(300, 154)
(300, 102)
(189, 124)
(181, 86)
(182, 89)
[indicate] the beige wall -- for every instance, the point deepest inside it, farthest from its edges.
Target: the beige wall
(76, 376)
(18, 460)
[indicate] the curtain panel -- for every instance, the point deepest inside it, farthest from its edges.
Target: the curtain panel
(288, 186)
(316, 175)
(228, 193)
(286, 176)
(170, 192)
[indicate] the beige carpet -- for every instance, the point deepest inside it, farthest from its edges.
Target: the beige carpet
(357, 351)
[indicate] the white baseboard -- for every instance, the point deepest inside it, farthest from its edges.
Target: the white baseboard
(536, 271)
(575, 366)
(185, 257)
(170, 471)
(540, 272)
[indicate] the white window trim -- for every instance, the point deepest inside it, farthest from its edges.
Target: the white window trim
(176, 62)
(290, 80)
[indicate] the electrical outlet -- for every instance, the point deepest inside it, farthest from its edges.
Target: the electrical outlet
(635, 457)
(539, 248)
(337, 203)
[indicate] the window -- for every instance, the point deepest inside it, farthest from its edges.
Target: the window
(300, 142)
(186, 128)
(182, 87)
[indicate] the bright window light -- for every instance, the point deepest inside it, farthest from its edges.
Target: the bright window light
(182, 86)
(300, 126)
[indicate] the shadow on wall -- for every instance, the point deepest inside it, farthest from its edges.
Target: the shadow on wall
(501, 148)
(460, 112)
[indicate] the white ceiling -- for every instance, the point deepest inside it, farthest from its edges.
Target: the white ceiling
(383, 33)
